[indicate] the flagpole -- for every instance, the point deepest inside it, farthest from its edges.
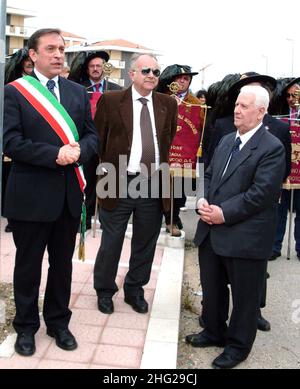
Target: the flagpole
(2, 67)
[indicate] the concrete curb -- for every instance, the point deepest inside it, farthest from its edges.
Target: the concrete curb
(161, 346)
(160, 350)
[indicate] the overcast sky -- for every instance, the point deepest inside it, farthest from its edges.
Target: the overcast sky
(234, 36)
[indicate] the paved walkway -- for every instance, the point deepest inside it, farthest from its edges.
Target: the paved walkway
(124, 339)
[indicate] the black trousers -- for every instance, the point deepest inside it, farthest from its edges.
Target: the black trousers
(146, 222)
(31, 240)
(246, 277)
(6, 166)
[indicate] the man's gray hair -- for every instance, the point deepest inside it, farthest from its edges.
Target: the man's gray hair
(136, 56)
(262, 97)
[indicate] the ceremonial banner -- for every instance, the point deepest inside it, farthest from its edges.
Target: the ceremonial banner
(183, 152)
(94, 98)
(293, 181)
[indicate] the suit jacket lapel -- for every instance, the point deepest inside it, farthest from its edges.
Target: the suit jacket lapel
(160, 113)
(65, 97)
(126, 112)
(242, 155)
(226, 153)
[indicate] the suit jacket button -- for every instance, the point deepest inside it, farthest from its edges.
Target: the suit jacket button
(62, 173)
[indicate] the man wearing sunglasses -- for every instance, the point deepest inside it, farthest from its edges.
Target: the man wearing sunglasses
(138, 125)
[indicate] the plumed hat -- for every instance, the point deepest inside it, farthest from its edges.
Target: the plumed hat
(250, 77)
(14, 66)
(292, 82)
(170, 73)
(97, 54)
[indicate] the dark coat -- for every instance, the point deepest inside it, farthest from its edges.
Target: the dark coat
(114, 121)
(37, 187)
(276, 127)
(247, 193)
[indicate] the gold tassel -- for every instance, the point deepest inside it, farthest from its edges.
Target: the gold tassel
(199, 152)
(81, 250)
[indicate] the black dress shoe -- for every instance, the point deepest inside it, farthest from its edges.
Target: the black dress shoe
(200, 340)
(8, 228)
(226, 361)
(263, 324)
(63, 339)
(105, 305)
(274, 255)
(138, 303)
(25, 344)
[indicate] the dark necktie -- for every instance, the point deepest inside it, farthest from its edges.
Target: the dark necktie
(97, 87)
(148, 149)
(234, 152)
(51, 85)
(235, 149)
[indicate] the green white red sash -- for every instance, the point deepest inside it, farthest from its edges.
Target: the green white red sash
(53, 112)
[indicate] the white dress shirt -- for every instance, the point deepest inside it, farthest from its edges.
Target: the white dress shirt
(136, 148)
(43, 80)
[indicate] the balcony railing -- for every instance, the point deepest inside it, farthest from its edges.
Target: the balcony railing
(117, 64)
(19, 31)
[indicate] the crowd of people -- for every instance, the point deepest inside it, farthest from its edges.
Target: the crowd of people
(55, 141)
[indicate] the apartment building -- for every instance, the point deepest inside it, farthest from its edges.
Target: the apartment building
(120, 52)
(16, 33)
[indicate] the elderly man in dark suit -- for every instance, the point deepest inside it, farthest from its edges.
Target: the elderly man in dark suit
(225, 125)
(48, 133)
(138, 125)
(236, 228)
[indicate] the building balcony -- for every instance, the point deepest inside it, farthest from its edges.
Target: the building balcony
(117, 64)
(19, 31)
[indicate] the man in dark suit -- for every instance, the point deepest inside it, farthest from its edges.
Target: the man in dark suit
(278, 128)
(236, 228)
(138, 125)
(48, 133)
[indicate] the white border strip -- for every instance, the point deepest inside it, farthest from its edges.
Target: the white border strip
(161, 346)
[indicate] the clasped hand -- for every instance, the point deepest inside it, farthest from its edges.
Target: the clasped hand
(210, 214)
(68, 154)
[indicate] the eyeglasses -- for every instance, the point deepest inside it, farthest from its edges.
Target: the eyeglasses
(95, 66)
(288, 95)
(155, 72)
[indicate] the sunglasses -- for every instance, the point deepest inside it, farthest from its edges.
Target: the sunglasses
(155, 72)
